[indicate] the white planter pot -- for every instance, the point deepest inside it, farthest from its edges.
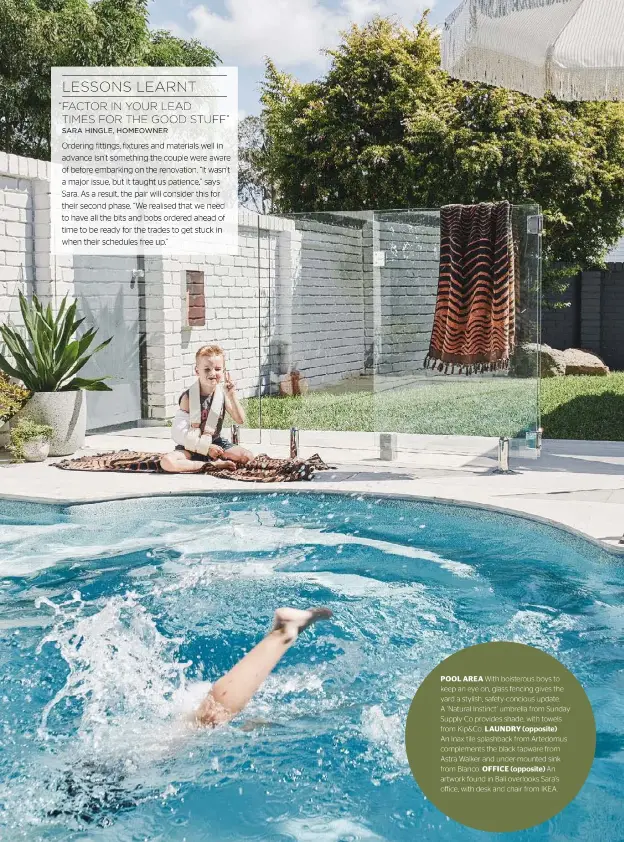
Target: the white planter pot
(36, 450)
(65, 412)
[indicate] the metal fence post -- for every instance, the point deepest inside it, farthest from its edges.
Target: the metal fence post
(387, 446)
(503, 455)
(294, 442)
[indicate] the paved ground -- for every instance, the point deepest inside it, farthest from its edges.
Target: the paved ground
(579, 485)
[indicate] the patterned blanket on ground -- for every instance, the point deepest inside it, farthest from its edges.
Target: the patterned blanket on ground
(261, 469)
(474, 321)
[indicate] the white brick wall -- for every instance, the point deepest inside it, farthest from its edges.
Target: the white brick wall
(328, 303)
(408, 289)
(99, 283)
(294, 285)
(319, 287)
(22, 220)
(16, 242)
(236, 311)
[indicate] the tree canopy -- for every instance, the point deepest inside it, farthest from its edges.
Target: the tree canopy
(386, 128)
(36, 35)
(254, 189)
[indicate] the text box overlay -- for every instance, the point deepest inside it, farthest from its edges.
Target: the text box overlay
(144, 160)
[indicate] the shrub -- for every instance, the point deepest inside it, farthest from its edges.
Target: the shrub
(24, 431)
(12, 398)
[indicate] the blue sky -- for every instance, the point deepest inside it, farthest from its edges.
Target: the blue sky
(291, 32)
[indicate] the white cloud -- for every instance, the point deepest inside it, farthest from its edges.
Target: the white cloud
(291, 32)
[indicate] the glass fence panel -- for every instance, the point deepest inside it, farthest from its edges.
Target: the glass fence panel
(317, 354)
(233, 318)
(425, 398)
(347, 306)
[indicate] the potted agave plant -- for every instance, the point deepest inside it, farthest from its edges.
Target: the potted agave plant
(47, 365)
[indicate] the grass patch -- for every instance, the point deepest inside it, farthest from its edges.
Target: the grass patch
(589, 408)
(572, 408)
(471, 408)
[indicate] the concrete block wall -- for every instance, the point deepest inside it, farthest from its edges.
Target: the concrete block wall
(590, 311)
(561, 324)
(593, 318)
(612, 318)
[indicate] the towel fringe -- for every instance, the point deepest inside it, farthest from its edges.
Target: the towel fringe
(467, 369)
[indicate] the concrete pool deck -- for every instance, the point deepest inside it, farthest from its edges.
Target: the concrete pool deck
(575, 484)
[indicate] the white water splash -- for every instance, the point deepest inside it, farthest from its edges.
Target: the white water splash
(541, 629)
(385, 731)
(123, 675)
(328, 830)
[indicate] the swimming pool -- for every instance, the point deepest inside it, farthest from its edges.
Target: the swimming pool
(115, 615)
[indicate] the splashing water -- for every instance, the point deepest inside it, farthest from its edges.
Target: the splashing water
(121, 671)
(113, 634)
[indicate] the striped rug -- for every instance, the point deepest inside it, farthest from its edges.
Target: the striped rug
(474, 320)
(262, 468)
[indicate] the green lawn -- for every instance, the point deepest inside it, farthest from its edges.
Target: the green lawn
(584, 407)
(571, 407)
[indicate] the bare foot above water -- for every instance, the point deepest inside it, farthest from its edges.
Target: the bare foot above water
(293, 620)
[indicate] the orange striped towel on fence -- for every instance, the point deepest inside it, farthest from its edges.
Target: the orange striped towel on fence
(474, 320)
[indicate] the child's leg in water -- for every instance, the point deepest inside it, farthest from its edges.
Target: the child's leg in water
(232, 692)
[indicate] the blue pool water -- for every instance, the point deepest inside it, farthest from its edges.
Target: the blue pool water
(114, 616)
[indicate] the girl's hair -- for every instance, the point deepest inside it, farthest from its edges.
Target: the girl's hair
(210, 351)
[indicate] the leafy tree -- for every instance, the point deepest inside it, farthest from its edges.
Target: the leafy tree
(36, 35)
(255, 190)
(386, 128)
(165, 50)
